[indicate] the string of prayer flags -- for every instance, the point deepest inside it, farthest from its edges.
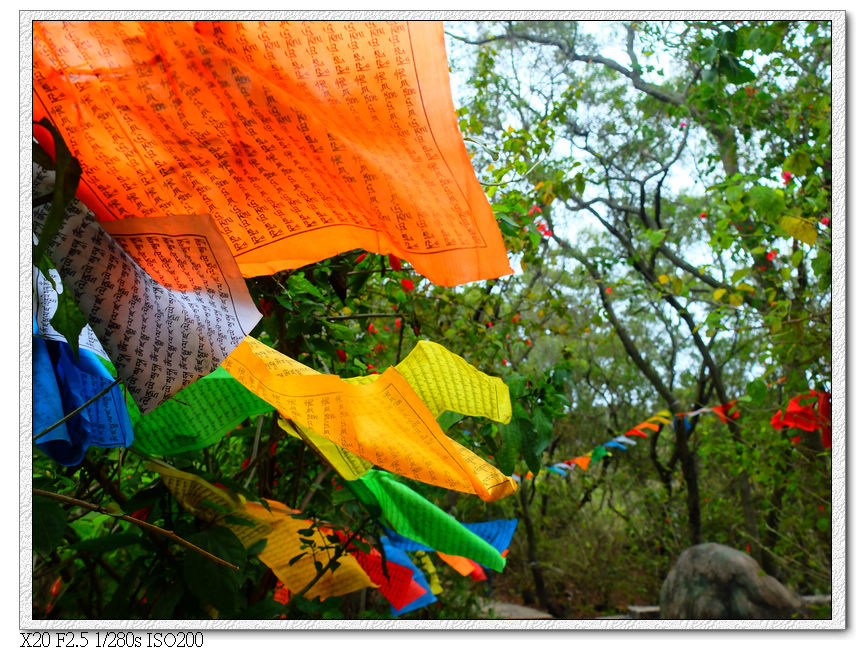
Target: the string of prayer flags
(163, 296)
(619, 442)
(399, 556)
(301, 139)
(725, 411)
(599, 452)
(293, 560)
(346, 464)
(410, 515)
(63, 384)
(383, 421)
(197, 416)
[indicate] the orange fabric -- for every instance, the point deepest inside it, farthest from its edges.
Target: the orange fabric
(582, 461)
(461, 565)
(300, 139)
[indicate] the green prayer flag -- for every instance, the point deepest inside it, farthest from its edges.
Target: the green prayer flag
(197, 416)
(413, 516)
(599, 452)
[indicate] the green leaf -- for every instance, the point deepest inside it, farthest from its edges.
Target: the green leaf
(506, 456)
(766, 202)
(49, 524)
(211, 583)
(257, 547)
(121, 602)
(656, 237)
(516, 385)
(757, 391)
(68, 319)
(296, 559)
(798, 163)
(298, 284)
(529, 445)
(237, 521)
(543, 427)
(796, 259)
(67, 175)
(447, 419)
(107, 543)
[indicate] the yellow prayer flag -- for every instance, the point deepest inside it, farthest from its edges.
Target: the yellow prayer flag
(210, 503)
(284, 544)
(346, 464)
(432, 575)
(384, 422)
(446, 382)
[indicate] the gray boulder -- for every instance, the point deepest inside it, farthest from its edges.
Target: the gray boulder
(713, 581)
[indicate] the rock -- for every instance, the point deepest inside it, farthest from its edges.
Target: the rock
(713, 581)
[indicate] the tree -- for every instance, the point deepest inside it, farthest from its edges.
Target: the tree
(711, 292)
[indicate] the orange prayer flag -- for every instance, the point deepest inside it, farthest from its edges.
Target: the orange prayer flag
(301, 140)
(582, 461)
(461, 565)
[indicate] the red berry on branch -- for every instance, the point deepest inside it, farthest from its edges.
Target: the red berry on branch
(360, 258)
(702, 215)
(407, 285)
(341, 355)
(394, 262)
(609, 290)
(265, 305)
(825, 221)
